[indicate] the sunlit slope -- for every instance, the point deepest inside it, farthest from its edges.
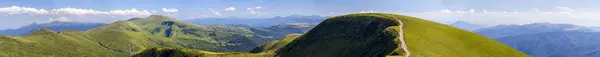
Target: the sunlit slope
(423, 38)
(44, 42)
(165, 31)
(371, 34)
(132, 35)
(125, 38)
(429, 39)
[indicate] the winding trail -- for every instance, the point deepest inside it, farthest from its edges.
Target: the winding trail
(402, 41)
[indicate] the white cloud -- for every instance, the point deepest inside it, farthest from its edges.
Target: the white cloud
(21, 10)
(20, 16)
(484, 11)
(253, 10)
(249, 9)
(169, 10)
(69, 11)
(75, 11)
(258, 7)
(62, 19)
(230, 9)
(370, 11)
(445, 11)
(216, 13)
(564, 9)
(471, 11)
(129, 12)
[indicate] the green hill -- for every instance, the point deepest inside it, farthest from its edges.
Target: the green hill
(369, 34)
(125, 38)
(429, 39)
(44, 42)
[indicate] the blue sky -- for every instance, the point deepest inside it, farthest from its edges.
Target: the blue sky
(16, 13)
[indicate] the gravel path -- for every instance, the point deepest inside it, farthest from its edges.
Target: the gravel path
(404, 46)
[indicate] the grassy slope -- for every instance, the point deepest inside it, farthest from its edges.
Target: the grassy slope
(429, 39)
(124, 38)
(424, 39)
(346, 36)
(49, 43)
(120, 38)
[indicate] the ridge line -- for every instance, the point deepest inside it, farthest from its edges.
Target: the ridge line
(402, 41)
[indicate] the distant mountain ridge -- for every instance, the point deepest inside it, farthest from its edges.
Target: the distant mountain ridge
(260, 22)
(280, 30)
(466, 26)
(547, 39)
(509, 30)
(55, 26)
(556, 44)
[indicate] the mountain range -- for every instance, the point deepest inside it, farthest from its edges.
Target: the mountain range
(547, 39)
(260, 22)
(509, 30)
(466, 26)
(54, 26)
(556, 44)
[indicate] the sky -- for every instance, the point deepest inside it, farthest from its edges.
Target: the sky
(17, 13)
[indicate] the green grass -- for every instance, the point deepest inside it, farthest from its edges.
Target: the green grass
(51, 44)
(125, 38)
(345, 36)
(429, 39)
(337, 36)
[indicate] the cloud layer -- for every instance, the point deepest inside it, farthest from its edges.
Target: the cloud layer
(13, 10)
(169, 10)
(21, 10)
(253, 10)
(230, 9)
(20, 16)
